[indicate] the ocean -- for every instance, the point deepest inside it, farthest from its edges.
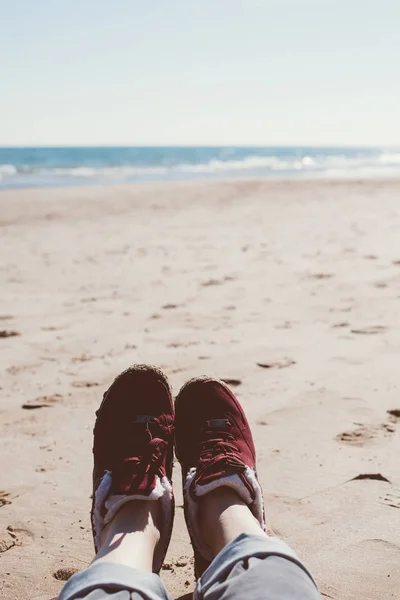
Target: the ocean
(44, 167)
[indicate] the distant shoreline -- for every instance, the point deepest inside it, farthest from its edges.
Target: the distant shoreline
(221, 178)
(57, 167)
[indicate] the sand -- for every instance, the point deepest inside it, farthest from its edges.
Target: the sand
(291, 288)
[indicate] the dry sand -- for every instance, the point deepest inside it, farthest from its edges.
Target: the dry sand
(217, 278)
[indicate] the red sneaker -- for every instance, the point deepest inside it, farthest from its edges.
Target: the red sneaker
(215, 447)
(133, 450)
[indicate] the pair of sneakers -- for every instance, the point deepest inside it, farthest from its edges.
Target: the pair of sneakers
(136, 430)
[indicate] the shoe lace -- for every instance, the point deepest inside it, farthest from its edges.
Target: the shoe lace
(218, 444)
(148, 459)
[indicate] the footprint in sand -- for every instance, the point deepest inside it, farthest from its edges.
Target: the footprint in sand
(320, 276)
(277, 364)
(30, 425)
(85, 384)
(182, 344)
(357, 437)
(392, 499)
(42, 402)
(364, 434)
(394, 415)
(64, 573)
(212, 282)
(14, 536)
(15, 369)
(23, 534)
(45, 469)
(371, 330)
(4, 498)
(7, 540)
(341, 324)
(83, 358)
(7, 333)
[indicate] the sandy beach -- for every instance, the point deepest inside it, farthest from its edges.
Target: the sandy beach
(292, 289)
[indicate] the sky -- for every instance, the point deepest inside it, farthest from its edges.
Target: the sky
(205, 72)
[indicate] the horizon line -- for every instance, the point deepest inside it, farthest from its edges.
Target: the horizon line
(148, 145)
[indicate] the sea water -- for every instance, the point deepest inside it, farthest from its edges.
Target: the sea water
(37, 167)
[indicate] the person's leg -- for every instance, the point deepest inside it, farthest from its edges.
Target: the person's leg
(132, 536)
(224, 510)
(132, 495)
(223, 516)
(247, 563)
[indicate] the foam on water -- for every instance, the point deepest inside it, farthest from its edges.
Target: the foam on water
(8, 170)
(29, 167)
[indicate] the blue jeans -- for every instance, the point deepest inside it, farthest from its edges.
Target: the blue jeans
(251, 567)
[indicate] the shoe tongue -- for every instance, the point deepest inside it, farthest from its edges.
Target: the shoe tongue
(218, 423)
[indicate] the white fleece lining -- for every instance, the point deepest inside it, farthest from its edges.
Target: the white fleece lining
(233, 481)
(114, 503)
(106, 507)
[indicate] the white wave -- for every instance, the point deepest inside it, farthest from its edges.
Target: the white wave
(213, 166)
(306, 164)
(107, 172)
(365, 164)
(7, 170)
(390, 159)
(248, 163)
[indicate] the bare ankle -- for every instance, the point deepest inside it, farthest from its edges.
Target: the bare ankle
(224, 516)
(132, 535)
(135, 516)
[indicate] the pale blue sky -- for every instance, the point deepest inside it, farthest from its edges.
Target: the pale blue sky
(200, 72)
